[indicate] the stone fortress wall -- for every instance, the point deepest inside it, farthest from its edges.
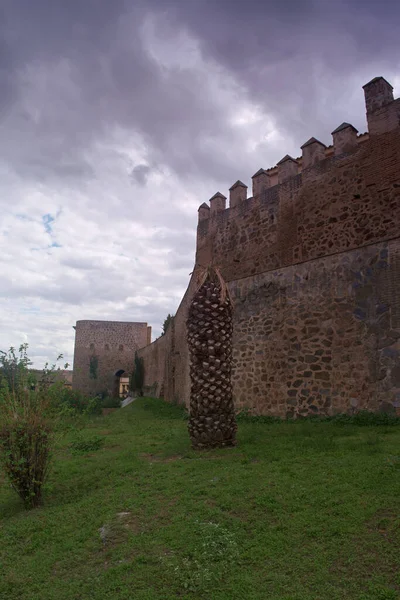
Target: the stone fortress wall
(102, 350)
(313, 265)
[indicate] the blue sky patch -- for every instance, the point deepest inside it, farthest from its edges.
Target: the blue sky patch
(48, 219)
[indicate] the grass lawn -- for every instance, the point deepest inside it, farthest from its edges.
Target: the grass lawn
(296, 511)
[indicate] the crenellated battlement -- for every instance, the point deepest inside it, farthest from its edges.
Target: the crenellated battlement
(312, 263)
(307, 206)
(382, 116)
(288, 174)
(346, 140)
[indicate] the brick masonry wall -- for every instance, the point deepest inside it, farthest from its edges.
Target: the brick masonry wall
(314, 267)
(113, 344)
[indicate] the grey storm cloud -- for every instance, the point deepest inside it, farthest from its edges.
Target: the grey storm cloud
(140, 173)
(301, 59)
(120, 117)
(97, 47)
(295, 59)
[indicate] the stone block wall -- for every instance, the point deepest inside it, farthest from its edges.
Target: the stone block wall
(154, 360)
(319, 337)
(313, 265)
(102, 348)
(166, 361)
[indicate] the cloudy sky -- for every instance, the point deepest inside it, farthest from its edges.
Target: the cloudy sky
(118, 118)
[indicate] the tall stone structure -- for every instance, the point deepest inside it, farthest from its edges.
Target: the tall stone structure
(104, 350)
(312, 260)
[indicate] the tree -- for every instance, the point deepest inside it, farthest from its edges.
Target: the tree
(167, 323)
(212, 420)
(137, 379)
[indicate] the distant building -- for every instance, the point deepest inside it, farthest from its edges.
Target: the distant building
(104, 355)
(64, 375)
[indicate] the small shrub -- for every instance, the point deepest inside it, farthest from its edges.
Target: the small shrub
(93, 406)
(69, 401)
(25, 456)
(110, 402)
(26, 433)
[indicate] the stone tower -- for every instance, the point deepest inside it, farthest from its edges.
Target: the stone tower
(103, 351)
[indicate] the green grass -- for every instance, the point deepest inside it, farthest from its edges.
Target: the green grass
(297, 511)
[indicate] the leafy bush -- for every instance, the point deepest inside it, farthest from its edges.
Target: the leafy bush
(93, 406)
(25, 455)
(26, 432)
(111, 402)
(69, 401)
